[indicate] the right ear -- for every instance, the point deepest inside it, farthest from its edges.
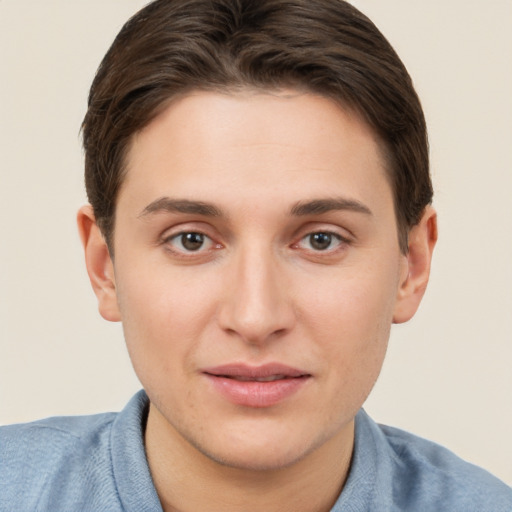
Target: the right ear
(99, 264)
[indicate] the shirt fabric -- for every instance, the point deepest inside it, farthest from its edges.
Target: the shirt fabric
(98, 463)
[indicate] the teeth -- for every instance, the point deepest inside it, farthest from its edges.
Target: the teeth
(270, 378)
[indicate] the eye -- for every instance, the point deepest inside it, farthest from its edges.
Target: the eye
(321, 241)
(190, 241)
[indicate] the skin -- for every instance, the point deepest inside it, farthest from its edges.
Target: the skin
(257, 291)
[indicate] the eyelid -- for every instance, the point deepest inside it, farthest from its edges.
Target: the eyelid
(174, 232)
(207, 241)
(336, 236)
(180, 228)
(343, 240)
(311, 228)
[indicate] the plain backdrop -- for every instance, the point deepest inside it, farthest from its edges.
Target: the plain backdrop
(448, 373)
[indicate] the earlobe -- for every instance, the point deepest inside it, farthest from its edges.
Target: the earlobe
(99, 264)
(416, 272)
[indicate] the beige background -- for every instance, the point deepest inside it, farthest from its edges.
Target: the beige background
(448, 375)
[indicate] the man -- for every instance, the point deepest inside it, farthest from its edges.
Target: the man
(260, 215)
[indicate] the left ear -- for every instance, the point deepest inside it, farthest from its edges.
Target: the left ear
(416, 272)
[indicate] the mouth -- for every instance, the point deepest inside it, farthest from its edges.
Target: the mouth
(264, 373)
(256, 386)
(270, 378)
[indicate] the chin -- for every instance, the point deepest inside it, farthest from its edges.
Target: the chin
(261, 453)
(257, 460)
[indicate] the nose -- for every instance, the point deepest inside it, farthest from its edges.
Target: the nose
(257, 305)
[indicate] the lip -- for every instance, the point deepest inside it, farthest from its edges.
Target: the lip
(238, 383)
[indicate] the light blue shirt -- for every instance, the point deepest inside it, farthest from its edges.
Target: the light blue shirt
(97, 463)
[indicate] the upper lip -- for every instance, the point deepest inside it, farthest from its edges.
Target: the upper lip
(255, 372)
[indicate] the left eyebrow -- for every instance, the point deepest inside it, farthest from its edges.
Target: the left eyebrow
(319, 206)
(167, 204)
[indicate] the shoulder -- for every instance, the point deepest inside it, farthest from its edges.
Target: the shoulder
(425, 472)
(85, 463)
(65, 452)
(51, 438)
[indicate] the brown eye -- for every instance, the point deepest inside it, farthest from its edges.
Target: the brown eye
(320, 241)
(192, 241)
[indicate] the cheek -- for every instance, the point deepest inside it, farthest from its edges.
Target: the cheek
(350, 319)
(352, 303)
(163, 314)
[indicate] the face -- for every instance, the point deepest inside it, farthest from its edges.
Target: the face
(257, 271)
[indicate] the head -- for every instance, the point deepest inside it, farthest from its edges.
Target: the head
(259, 182)
(326, 47)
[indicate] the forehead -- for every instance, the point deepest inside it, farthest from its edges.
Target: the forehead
(253, 143)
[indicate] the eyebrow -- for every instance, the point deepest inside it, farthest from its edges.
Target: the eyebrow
(302, 208)
(319, 206)
(166, 204)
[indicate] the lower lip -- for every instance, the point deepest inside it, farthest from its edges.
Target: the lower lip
(257, 394)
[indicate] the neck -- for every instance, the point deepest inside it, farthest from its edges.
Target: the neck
(186, 480)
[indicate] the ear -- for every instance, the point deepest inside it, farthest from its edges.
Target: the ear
(416, 271)
(99, 264)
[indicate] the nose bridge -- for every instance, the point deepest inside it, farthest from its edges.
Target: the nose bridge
(257, 304)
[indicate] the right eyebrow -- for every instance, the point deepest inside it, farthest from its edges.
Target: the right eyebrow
(167, 204)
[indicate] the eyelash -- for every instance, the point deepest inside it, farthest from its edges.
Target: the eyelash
(180, 239)
(331, 236)
(175, 243)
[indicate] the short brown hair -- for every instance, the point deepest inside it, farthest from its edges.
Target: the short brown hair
(322, 46)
